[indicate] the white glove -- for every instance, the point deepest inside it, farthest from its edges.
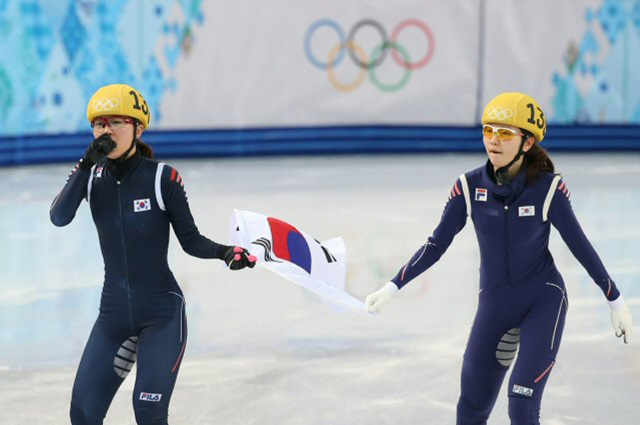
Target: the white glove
(621, 319)
(377, 299)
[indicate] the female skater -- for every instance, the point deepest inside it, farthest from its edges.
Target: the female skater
(133, 199)
(512, 200)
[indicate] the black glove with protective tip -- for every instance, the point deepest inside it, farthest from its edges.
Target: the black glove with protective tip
(237, 258)
(99, 149)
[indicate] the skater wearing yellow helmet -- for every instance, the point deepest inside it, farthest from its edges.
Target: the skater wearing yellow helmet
(512, 201)
(134, 200)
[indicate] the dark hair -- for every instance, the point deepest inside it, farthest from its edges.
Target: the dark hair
(537, 161)
(144, 149)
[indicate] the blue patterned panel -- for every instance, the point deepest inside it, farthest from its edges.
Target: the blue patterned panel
(73, 32)
(57, 53)
(599, 79)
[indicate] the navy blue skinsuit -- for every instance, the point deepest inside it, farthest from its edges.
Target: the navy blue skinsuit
(142, 309)
(522, 301)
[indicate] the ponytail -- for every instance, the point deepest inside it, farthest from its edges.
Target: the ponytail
(144, 149)
(537, 162)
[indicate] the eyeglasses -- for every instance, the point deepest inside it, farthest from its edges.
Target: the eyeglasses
(116, 123)
(503, 134)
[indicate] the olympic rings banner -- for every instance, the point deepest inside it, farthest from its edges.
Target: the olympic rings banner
(249, 65)
(360, 58)
(309, 63)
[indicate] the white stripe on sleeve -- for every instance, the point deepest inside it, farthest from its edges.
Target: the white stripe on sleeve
(90, 183)
(157, 186)
(547, 200)
(465, 191)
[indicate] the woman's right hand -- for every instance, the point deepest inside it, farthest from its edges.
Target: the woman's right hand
(377, 299)
(99, 148)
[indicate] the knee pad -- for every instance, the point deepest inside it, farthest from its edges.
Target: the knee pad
(523, 411)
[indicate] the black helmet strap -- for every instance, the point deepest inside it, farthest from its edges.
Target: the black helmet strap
(501, 173)
(126, 153)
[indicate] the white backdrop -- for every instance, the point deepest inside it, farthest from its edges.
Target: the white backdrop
(258, 74)
(249, 66)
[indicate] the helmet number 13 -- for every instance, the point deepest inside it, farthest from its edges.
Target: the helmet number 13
(144, 107)
(532, 119)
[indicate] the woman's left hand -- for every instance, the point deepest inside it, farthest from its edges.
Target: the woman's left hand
(237, 258)
(621, 319)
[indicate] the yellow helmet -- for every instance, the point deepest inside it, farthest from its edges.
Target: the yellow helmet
(119, 99)
(517, 110)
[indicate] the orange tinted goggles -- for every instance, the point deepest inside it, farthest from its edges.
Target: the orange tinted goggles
(502, 133)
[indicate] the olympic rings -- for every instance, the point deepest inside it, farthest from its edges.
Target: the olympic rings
(378, 56)
(500, 113)
(105, 104)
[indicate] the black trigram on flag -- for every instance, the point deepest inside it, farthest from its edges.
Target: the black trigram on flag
(329, 255)
(266, 244)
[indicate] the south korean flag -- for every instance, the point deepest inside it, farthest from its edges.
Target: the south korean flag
(140, 205)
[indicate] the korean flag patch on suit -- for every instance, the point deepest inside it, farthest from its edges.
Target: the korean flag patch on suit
(527, 211)
(140, 205)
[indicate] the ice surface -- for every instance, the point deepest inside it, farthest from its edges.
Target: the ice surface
(263, 351)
